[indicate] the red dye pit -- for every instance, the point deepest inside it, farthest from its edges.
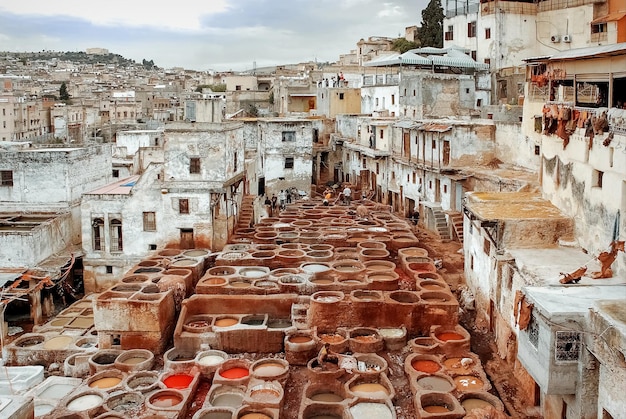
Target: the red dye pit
(233, 373)
(425, 365)
(178, 381)
(445, 336)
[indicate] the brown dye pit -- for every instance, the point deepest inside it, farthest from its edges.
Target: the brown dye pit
(331, 338)
(327, 397)
(255, 416)
(106, 382)
(435, 384)
(473, 403)
(227, 321)
(468, 382)
(455, 365)
(436, 409)
(299, 339)
(134, 360)
(366, 338)
(57, 343)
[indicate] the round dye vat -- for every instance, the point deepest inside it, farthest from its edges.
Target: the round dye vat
(106, 382)
(264, 395)
(435, 384)
(391, 333)
(86, 402)
(255, 416)
(227, 321)
(211, 360)
(299, 339)
(314, 268)
(166, 400)
(178, 381)
(327, 397)
(425, 365)
(331, 338)
(198, 324)
(235, 373)
(269, 369)
(369, 388)
(134, 360)
(253, 273)
(446, 336)
(58, 342)
(227, 400)
(473, 403)
(214, 281)
(322, 281)
(217, 415)
(240, 284)
(455, 365)
(436, 409)
(468, 382)
(371, 410)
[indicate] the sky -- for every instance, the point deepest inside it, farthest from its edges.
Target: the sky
(217, 35)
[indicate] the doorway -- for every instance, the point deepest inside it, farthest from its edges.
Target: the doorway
(186, 238)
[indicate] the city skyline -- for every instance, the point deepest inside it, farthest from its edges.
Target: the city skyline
(219, 35)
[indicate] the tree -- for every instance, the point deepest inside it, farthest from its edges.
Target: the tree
(431, 32)
(63, 93)
(402, 45)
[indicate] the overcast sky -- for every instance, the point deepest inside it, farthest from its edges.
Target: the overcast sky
(205, 34)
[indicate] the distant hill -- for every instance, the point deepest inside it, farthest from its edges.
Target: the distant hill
(77, 57)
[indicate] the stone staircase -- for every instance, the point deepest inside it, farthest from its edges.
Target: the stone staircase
(456, 219)
(246, 214)
(299, 312)
(441, 223)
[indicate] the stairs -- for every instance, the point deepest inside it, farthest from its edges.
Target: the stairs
(299, 311)
(456, 219)
(246, 214)
(441, 223)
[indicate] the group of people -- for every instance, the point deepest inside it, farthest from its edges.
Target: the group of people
(338, 81)
(275, 203)
(345, 195)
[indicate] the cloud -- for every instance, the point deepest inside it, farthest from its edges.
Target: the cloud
(209, 34)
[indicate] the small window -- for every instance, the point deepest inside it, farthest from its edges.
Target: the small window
(6, 178)
(238, 87)
(97, 226)
(486, 246)
(414, 177)
(364, 163)
(149, 221)
(340, 96)
(471, 29)
(445, 188)
(289, 136)
(473, 54)
(377, 168)
(393, 174)
(152, 247)
(567, 346)
(116, 236)
(449, 34)
(487, 61)
(183, 206)
(235, 162)
(537, 150)
(288, 162)
(434, 144)
(393, 99)
(381, 134)
(487, 33)
(533, 331)
(194, 165)
(597, 178)
(109, 269)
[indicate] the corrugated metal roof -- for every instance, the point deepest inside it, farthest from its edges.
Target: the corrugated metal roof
(454, 58)
(435, 127)
(122, 187)
(406, 124)
(614, 49)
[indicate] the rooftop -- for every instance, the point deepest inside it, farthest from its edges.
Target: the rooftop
(511, 206)
(121, 187)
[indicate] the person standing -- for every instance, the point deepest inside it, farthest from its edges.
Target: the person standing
(347, 195)
(282, 197)
(268, 205)
(288, 195)
(274, 202)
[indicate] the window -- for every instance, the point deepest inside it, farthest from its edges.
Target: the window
(486, 246)
(152, 247)
(116, 236)
(364, 163)
(109, 269)
(194, 165)
(597, 178)
(471, 29)
(487, 33)
(149, 221)
(567, 346)
(414, 177)
(289, 136)
(183, 206)
(235, 162)
(238, 87)
(434, 144)
(377, 168)
(487, 61)
(340, 96)
(598, 27)
(533, 331)
(449, 34)
(473, 54)
(393, 99)
(537, 150)
(393, 174)
(6, 178)
(116, 173)
(381, 134)
(288, 162)
(97, 226)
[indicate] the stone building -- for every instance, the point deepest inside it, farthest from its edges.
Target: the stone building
(189, 199)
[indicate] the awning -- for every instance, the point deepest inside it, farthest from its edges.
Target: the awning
(611, 17)
(406, 124)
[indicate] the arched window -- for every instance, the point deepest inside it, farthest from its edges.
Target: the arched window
(97, 226)
(116, 236)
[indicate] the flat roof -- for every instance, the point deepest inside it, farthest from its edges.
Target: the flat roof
(511, 206)
(121, 187)
(573, 299)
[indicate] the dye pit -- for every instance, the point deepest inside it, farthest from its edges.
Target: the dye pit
(315, 313)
